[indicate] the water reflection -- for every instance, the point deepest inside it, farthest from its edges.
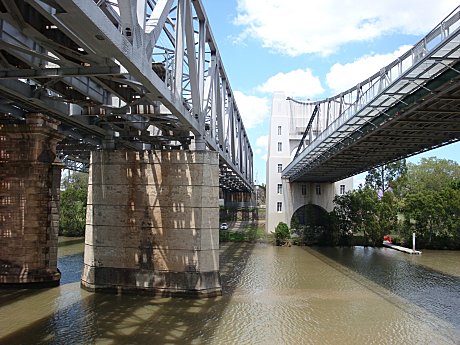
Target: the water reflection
(271, 296)
(71, 266)
(80, 317)
(433, 290)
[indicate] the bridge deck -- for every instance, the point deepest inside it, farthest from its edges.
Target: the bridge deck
(417, 111)
(130, 75)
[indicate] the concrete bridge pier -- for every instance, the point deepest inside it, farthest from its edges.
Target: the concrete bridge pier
(29, 202)
(152, 223)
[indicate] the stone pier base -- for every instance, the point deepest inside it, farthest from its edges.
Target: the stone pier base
(29, 203)
(152, 223)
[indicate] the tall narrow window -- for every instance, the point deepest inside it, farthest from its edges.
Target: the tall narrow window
(279, 130)
(280, 168)
(279, 206)
(280, 188)
(304, 189)
(318, 189)
(280, 146)
(342, 189)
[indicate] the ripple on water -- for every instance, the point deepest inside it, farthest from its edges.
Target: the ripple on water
(271, 296)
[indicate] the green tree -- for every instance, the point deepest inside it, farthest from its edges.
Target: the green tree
(387, 210)
(73, 204)
(387, 177)
(282, 233)
(432, 174)
(366, 215)
(358, 212)
(342, 213)
(432, 203)
(456, 184)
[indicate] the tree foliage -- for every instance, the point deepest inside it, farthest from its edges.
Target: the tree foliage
(73, 205)
(425, 196)
(432, 174)
(431, 205)
(282, 233)
(359, 211)
(387, 177)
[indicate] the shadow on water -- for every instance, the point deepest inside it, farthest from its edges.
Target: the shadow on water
(131, 319)
(70, 266)
(10, 295)
(434, 291)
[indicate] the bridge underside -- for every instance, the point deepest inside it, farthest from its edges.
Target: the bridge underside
(426, 119)
(129, 75)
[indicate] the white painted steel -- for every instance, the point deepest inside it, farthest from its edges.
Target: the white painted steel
(348, 111)
(133, 36)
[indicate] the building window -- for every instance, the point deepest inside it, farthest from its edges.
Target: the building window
(342, 189)
(280, 168)
(279, 206)
(280, 188)
(280, 146)
(304, 189)
(279, 130)
(318, 189)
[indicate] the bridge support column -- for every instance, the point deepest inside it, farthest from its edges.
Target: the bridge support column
(29, 202)
(152, 223)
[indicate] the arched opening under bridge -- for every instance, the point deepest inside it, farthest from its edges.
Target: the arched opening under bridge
(312, 225)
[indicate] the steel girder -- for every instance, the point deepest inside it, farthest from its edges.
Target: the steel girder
(410, 106)
(133, 74)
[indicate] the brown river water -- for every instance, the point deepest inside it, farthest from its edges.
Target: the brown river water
(271, 295)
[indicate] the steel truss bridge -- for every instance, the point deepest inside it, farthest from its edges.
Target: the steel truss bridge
(410, 106)
(126, 74)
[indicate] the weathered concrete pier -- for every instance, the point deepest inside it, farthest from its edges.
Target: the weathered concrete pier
(152, 223)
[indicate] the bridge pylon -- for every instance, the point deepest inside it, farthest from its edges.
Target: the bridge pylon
(29, 202)
(152, 223)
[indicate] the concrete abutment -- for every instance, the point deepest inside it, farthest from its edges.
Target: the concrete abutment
(152, 223)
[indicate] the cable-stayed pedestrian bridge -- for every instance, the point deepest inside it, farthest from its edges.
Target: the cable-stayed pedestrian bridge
(410, 106)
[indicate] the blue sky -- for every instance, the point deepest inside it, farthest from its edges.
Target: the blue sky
(312, 50)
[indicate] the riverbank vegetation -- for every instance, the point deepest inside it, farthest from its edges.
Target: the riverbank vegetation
(251, 233)
(397, 199)
(72, 211)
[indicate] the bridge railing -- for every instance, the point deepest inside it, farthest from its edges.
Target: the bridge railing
(337, 111)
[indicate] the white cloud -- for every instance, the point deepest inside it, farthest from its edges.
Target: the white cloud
(300, 83)
(297, 27)
(254, 110)
(262, 142)
(261, 147)
(341, 77)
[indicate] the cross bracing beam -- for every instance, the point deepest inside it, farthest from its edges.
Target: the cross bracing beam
(410, 106)
(58, 72)
(75, 163)
(93, 64)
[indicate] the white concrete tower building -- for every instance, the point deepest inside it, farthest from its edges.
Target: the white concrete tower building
(288, 122)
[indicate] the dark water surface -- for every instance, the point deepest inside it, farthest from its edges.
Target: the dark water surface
(271, 295)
